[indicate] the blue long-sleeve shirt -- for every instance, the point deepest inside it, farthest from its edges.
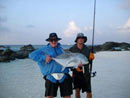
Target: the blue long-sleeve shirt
(52, 67)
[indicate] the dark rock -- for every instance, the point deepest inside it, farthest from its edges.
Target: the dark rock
(13, 56)
(24, 51)
(1, 46)
(7, 52)
(5, 55)
(114, 46)
(97, 48)
(27, 48)
(125, 46)
(1, 52)
(4, 59)
(22, 54)
(108, 46)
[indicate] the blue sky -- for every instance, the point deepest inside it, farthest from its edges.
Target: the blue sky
(31, 21)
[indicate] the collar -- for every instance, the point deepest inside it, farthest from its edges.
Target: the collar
(58, 45)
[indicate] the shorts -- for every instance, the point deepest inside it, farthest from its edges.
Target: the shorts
(65, 87)
(82, 81)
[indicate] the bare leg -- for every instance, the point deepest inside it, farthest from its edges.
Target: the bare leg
(77, 93)
(89, 95)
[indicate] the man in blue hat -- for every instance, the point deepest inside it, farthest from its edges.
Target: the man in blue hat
(52, 71)
(82, 80)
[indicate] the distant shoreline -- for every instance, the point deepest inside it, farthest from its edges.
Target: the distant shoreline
(12, 52)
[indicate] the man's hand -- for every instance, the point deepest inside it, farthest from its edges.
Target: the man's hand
(80, 65)
(79, 69)
(48, 59)
(91, 56)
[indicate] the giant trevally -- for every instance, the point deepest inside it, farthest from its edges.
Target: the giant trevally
(69, 59)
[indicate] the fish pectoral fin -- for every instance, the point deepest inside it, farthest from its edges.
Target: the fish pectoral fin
(63, 68)
(72, 63)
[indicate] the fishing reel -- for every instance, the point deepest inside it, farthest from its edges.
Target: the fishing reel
(93, 74)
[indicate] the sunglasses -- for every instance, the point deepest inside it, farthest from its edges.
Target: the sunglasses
(55, 40)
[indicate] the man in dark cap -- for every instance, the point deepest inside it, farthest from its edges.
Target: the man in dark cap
(82, 80)
(53, 74)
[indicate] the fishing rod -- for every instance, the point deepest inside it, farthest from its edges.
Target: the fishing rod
(92, 49)
(93, 26)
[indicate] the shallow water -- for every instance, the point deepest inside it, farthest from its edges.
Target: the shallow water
(22, 78)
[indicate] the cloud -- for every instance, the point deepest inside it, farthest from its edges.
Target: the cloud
(87, 29)
(3, 28)
(2, 19)
(72, 30)
(2, 7)
(125, 28)
(125, 4)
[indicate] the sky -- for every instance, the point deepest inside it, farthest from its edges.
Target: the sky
(31, 21)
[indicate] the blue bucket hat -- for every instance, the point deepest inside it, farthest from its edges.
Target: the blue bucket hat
(53, 36)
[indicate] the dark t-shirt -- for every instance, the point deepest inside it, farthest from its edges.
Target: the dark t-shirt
(85, 51)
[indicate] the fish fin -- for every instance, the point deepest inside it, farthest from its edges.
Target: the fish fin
(63, 68)
(72, 63)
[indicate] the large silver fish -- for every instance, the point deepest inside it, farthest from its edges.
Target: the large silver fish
(69, 59)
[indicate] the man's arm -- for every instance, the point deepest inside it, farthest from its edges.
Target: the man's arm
(38, 55)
